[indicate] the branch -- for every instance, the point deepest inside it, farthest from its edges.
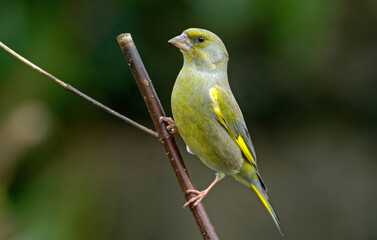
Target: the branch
(77, 92)
(155, 109)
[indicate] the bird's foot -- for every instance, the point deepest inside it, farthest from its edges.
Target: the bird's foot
(201, 194)
(172, 128)
(197, 199)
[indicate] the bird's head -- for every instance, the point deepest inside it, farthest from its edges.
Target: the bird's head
(201, 49)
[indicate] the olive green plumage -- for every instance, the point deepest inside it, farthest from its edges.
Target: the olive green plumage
(207, 115)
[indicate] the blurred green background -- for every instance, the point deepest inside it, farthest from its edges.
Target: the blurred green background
(304, 73)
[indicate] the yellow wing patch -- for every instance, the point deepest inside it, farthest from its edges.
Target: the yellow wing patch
(214, 95)
(245, 150)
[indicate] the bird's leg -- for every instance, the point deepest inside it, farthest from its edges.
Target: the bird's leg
(201, 194)
(172, 128)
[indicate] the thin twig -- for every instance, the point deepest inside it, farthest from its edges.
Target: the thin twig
(77, 92)
(155, 109)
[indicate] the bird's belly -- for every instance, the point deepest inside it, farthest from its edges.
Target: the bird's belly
(207, 138)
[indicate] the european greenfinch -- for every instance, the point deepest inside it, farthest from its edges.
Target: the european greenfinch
(208, 117)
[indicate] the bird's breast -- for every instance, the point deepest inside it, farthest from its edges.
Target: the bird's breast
(198, 124)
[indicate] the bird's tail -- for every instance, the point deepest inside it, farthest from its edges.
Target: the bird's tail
(258, 186)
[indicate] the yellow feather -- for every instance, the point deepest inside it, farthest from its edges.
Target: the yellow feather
(213, 93)
(245, 150)
(269, 208)
(264, 201)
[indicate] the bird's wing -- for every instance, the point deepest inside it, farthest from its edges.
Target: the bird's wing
(230, 116)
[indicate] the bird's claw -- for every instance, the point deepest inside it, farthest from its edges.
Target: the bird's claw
(172, 128)
(197, 199)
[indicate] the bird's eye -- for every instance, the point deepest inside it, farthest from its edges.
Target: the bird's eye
(201, 39)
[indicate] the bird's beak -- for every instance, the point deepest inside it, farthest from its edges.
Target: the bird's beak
(182, 42)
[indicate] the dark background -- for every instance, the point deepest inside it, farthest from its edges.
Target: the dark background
(303, 72)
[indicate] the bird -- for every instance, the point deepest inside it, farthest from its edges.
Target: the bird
(208, 118)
